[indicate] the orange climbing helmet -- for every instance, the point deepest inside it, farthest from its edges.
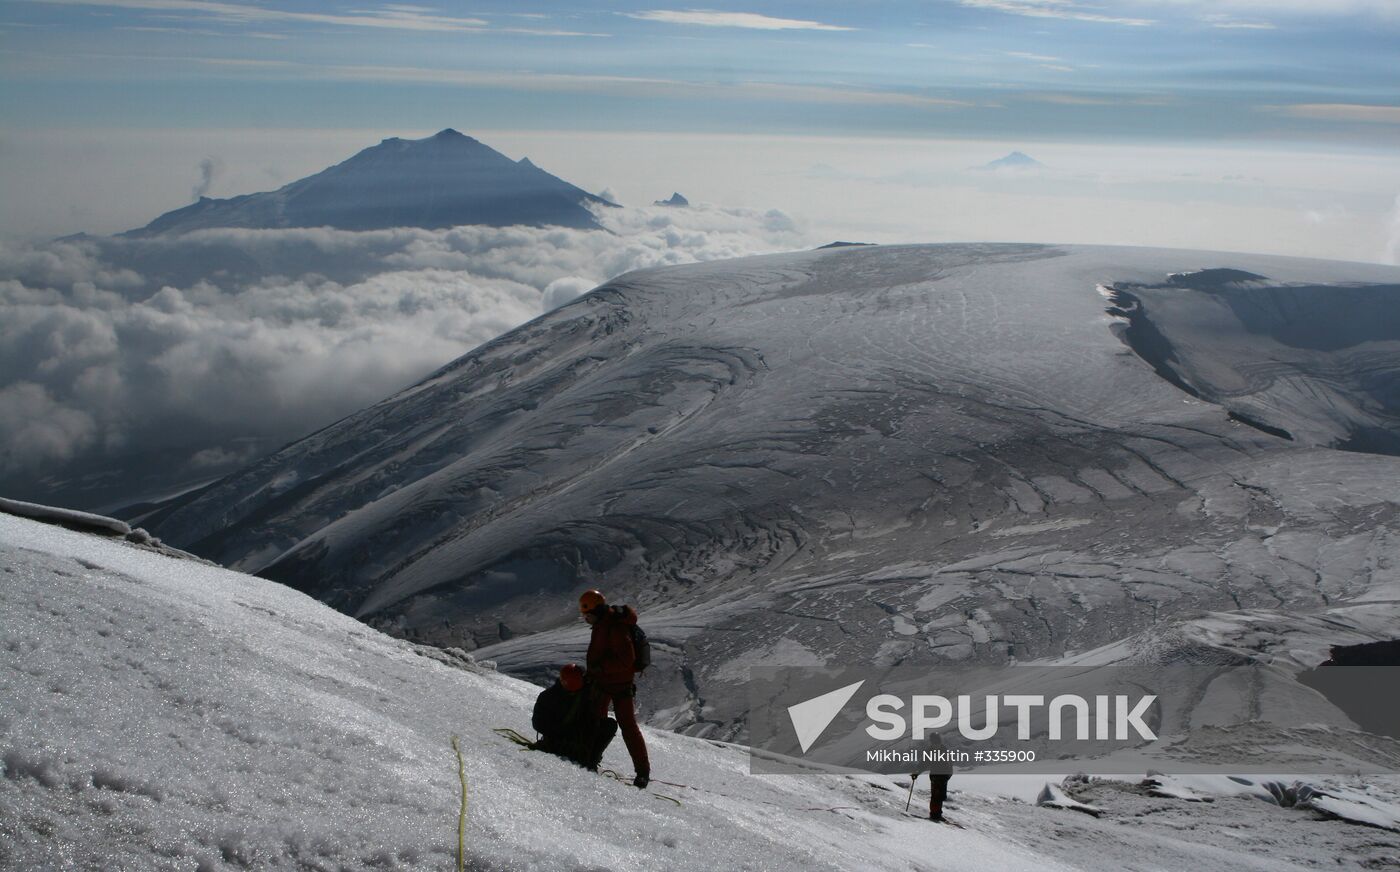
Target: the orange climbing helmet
(590, 600)
(571, 677)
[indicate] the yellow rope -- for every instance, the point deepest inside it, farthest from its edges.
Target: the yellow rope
(461, 815)
(513, 735)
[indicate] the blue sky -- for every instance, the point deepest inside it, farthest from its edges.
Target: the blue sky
(1256, 125)
(1320, 70)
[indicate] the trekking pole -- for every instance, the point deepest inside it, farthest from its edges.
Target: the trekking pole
(910, 800)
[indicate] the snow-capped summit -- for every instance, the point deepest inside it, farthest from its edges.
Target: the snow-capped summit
(445, 180)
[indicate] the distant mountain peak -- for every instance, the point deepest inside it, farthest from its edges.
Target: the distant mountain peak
(1016, 160)
(446, 180)
(676, 200)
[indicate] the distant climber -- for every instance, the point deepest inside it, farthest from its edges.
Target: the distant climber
(617, 651)
(566, 722)
(940, 772)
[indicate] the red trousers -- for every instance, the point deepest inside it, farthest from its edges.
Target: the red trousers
(626, 713)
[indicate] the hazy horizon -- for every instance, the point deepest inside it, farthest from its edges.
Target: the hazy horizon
(1304, 200)
(1238, 125)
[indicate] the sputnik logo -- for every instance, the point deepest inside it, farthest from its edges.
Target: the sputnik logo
(811, 718)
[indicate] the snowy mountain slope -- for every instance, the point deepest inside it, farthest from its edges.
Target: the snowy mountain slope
(165, 714)
(885, 455)
(1322, 364)
(445, 180)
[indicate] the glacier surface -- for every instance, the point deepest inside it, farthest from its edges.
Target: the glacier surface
(887, 455)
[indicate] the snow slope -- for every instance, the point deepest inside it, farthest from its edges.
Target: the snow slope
(882, 455)
(1321, 364)
(161, 713)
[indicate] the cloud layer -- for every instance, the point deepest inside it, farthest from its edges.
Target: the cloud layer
(214, 347)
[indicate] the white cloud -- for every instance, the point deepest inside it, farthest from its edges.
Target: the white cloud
(630, 86)
(184, 31)
(98, 360)
(819, 94)
(66, 264)
(1056, 9)
(1331, 213)
(714, 18)
(1385, 8)
(387, 17)
(1088, 100)
(35, 429)
(562, 290)
(1240, 25)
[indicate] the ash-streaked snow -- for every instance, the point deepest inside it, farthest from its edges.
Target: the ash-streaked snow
(902, 455)
(165, 714)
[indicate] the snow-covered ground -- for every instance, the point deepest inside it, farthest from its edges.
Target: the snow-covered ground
(161, 713)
